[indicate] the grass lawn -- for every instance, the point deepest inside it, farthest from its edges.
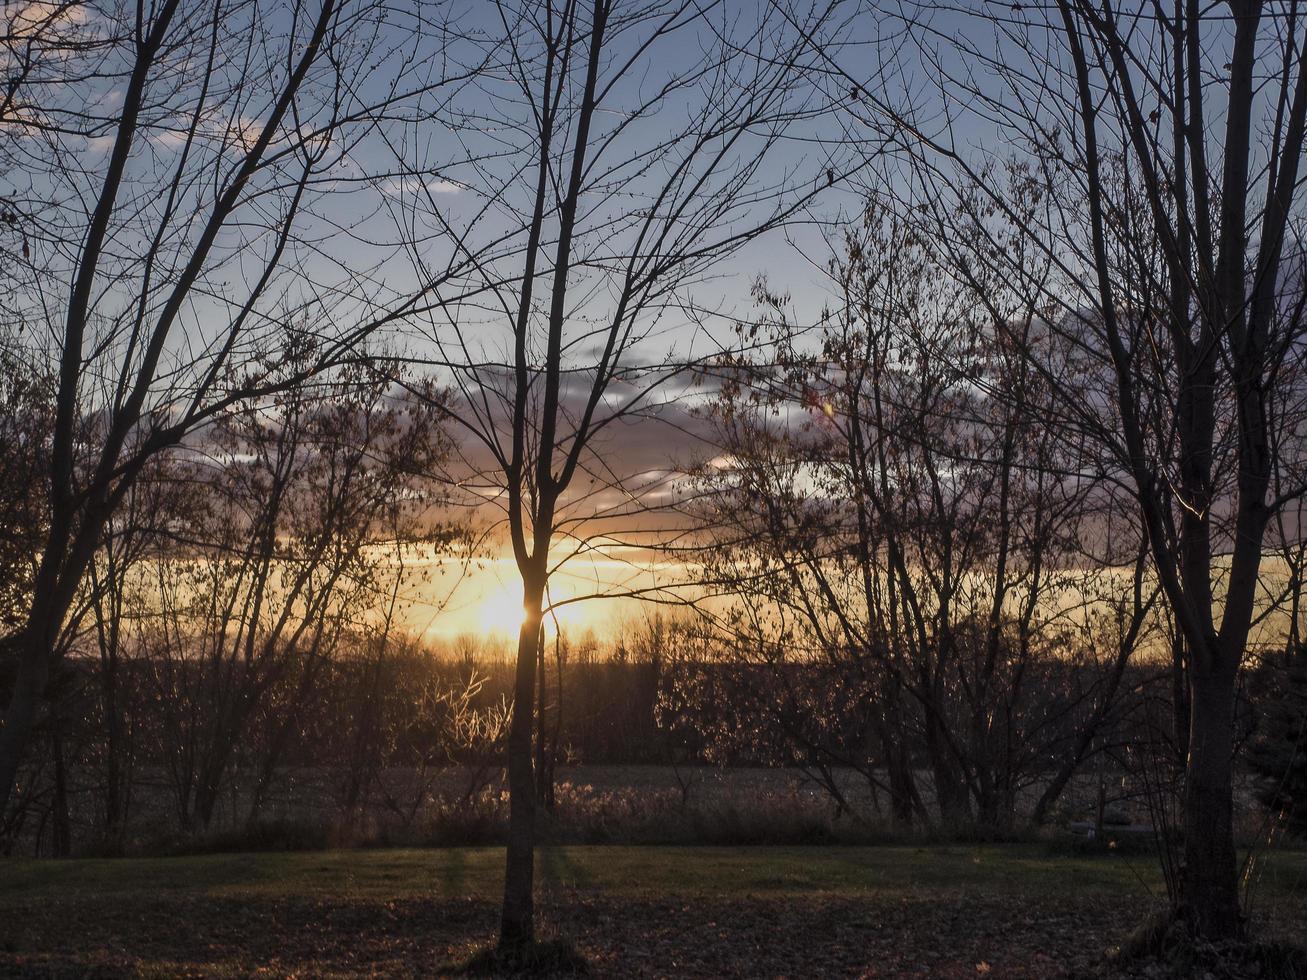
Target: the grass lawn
(959, 911)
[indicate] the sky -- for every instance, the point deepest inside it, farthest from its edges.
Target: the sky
(487, 599)
(448, 174)
(641, 137)
(444, 174)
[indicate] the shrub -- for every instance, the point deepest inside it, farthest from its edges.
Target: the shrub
(1278, 755)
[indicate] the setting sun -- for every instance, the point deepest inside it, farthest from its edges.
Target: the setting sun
(501, 611)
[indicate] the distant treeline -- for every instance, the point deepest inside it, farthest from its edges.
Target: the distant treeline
(169, 750)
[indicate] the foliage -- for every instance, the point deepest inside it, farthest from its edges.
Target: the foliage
(1278, 754)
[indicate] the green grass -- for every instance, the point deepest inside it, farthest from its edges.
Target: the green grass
(716, 871)
(1029, 910)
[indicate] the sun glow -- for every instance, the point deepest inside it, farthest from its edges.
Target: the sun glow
(447, 600)
(502, 611)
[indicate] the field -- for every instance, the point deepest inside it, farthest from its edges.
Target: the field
(595, 804)
(956, 911)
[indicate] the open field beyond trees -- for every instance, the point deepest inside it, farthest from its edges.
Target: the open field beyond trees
(957, 911)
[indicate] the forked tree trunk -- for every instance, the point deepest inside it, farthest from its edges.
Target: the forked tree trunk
(905, 801)
(950, 790)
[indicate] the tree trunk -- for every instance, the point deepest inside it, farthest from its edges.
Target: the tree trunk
(517, 927)
(898, 769)
(63, 831)
(213, 771)
(950, 790)
(113, 768)
(29, 687)
(1209, 890)
(1180, 696)
(544, 789)
(206, 801)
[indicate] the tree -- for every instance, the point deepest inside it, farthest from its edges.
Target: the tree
(1278, 755)
(25, 421)
(908, 545)
(159, 503)
(187, 231)
(48, 48)
(1162, 148)
(303, 501)
(641, 169)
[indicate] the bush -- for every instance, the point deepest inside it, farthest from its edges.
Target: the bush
(1164, 947)
(259, 836)
(1278, 755)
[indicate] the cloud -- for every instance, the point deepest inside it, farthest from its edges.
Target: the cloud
(33, 19)
(402, 186)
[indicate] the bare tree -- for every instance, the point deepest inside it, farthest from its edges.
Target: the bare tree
(303, 502)
(182, 168)
(641, 168)
(159, 502)
(409, 723)
(25, 421)
(892, 525)
(1162, 149)
(47, 49)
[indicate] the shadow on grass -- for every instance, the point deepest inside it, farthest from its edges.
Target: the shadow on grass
(451, 869)
(559, 868)
(543, 958)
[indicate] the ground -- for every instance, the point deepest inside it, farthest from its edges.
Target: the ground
(956, 911)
